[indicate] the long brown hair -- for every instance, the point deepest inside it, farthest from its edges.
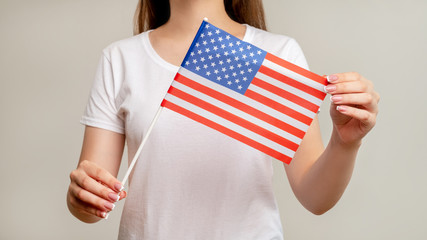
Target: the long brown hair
(151, 14)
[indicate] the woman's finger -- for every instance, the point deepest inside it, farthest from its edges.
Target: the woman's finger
(366, 100)
(102, 175)
(85, 208)
(89, 184)
(90, 198)
(345, 77)
(348, 87)
(367, 118)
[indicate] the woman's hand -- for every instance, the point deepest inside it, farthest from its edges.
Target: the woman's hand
(354, 106)
(93, 192)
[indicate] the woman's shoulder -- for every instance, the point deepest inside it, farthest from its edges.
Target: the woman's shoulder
(124, 47)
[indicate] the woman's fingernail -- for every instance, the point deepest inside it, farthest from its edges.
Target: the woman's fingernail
(336, 98)
(330, 88)
(341, 108)
(332, 78)
(118, 186)
(103, 214)
(106, 216)
(109, 205)
(113, 196)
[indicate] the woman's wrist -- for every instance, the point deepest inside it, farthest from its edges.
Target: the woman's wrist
(336, 141)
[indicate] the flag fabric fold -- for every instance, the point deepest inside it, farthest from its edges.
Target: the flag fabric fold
(246, 93)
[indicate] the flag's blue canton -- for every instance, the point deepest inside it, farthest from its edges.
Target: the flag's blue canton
(224, 59)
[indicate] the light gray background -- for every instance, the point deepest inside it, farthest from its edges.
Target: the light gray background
(49, 50)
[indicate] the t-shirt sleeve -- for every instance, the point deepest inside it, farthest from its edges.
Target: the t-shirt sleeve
(101, 109)
(296, 54)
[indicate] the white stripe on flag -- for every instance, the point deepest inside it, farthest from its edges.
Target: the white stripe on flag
(230, 125)
(237, 112)
(289, 88)
(266, 109)
(305, 80)
(282, 101)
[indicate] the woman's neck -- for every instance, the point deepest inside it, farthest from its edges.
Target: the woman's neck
(187, 15)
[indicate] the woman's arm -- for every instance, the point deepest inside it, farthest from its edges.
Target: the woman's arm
(94, 187)
(319, 177)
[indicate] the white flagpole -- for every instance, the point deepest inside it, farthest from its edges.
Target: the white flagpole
(138, 152)
(144, 140)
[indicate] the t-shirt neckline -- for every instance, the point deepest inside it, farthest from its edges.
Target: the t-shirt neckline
(162, 62)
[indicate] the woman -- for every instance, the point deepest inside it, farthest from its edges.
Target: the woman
(192, 182)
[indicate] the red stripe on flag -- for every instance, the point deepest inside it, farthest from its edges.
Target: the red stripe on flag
(226, 131)
(292, 82)
(279, 107)
(285, 94)
(233, 118)
(296, 69)
(239, 105)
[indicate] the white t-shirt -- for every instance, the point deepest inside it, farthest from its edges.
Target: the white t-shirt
(190, 182)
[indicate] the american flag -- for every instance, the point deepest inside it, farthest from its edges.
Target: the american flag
(246, 93)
